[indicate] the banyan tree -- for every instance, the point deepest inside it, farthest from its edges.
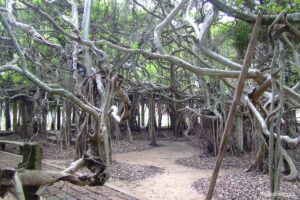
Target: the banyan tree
(215, 68)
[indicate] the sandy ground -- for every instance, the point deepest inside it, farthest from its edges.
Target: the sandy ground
(176, 181)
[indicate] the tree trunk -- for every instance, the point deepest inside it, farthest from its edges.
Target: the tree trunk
(29, 121)
(58, 115)
(1, 107)
(291, 122)
(239, 133)
(115, 129)
(53, 118)
(179, 124)
(67, 122)
(7, 116)
(133, 121)
(142, 114)
(15, 115)
(159, 113)
(152, 120)
(86, 30)
(26, 118)
(257, 164)
(129, 133)
(23, 116)
(44, 121)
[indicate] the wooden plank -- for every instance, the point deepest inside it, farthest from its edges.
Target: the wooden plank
(12, 142)
(9, 160)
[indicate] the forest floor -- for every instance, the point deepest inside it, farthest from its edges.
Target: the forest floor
(186, 175)
(176, 169)
(176, 180)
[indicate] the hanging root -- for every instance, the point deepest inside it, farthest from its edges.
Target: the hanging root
(117, 81)
(257, 163)
(294, 174)
(292, 168)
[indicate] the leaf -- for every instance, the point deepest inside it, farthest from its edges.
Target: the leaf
(240, 2)
(261, 7)
(37, 1)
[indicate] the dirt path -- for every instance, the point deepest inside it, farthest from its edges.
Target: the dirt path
(175, 183)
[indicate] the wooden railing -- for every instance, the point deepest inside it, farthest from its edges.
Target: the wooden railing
(31, 153)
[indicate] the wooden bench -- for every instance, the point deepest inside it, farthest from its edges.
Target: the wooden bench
(31, 153)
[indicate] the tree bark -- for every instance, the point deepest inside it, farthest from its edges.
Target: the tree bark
(266, 20)
(239, 133)
(152, 120)
(44, 120)
(129, 133)
(142, 114)
(15, 114)
(58, 119)
(159, 113)
(7, 116)
(53, 118)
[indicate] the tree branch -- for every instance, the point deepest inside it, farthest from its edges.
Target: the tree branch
(250, 18)
(201, 36)
(78, 39)
(252, 73)
(158, 29)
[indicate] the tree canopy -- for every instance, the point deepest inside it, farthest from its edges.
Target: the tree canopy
(103, 58)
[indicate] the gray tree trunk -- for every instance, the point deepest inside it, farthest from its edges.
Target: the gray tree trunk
(152, 121)
(15, 114)
(7, 116)
(239, 133)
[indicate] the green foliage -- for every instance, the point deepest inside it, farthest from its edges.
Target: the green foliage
(269, 6)
(276, 6)
(224, 31)
(37, 1)
(242, 36)
(236, 35)
(151, 69)
(240, 2)
(10, 79)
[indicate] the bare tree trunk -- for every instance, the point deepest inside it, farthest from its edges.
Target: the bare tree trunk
(138, 116)
(129, 133)
(58, 119)
(133, 123)
(53, 118)
(159, 117)
(23, 116)
(116, 129)
(239, 132)
(152, 120)
(7, 116)
(142, 114)
(67, 122)
(86, 31)
(291, 122)
(44, 121)
(15, 114)
(257, 163)
(29, 121)
(26, 118)
(1, 107)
